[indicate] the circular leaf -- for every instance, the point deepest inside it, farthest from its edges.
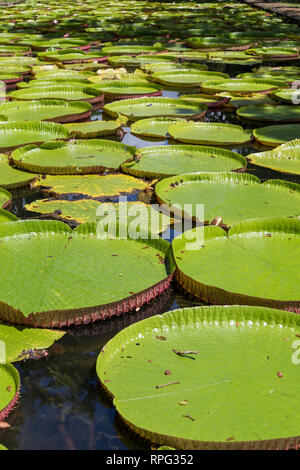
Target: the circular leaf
(227, 366)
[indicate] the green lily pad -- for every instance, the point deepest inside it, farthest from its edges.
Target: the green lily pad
(285, 158)
(45, 110)
(154, 127)
(66, 56)
(123, 88)
(164, 161)
(3, 447)
(57, 92)
(20, 339)
(254, 248)
(276, 135)
(241, 87)
(73, 157)
(186, 78)
(256, 98)
(6, 216)
(231, 196)
(274, 52)
(122, 273)
(9, 392)
(290, 96)
(270, 113)
(209, 100)
(130, 50)
(90, 185)
(5, 198)
(142, 108)
(63, 74)
(231, 378)
(85, 210)
(92, 129)
(123, 61)
(285, 78)
(15, 134)
(10, 178)
(210, 133)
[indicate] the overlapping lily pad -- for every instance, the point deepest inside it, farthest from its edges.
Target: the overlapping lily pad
(241, 86)
(210, 100)
(18, 340)
(253, 247)
(93, 129)
(90, 185)
(122, 89)
(213, 357)
(285, 158)
(9, 392)
(186, 78)
(160, 162)
(270, 113)
(59, 92)
(210, 133)
(154, 127)
(15, 134)
(73, 157)
(142, 108)
(86, 210)
(11, 178)
(231, 196)
(122, 273)
(275, 135)
(290, 96)
(5, 198)
(6, 216)
(45, 110)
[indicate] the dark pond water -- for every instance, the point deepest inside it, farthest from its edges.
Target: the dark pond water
(62, 406)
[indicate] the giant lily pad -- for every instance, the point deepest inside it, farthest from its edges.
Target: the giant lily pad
(290, 96)
(228, 393)
(275, 135)
(93, 129)
(14, 134)
(270, 113)
(122, 89)
(73, 157)
(142, 108)
(18, 340)
(254, 248)
(10, 178)
(274, 52)
(5, 198)
(154, 127)
(210, 133)
(241, 87)
(186, 78)
(86, 210)
(59, 92)
(90, 185)
(285, 158)
(122, 274)
(210, 100)
(160, 162)
(6, 216)
(130, 50)
(45, 110)
(9, 392)
(231, 196)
